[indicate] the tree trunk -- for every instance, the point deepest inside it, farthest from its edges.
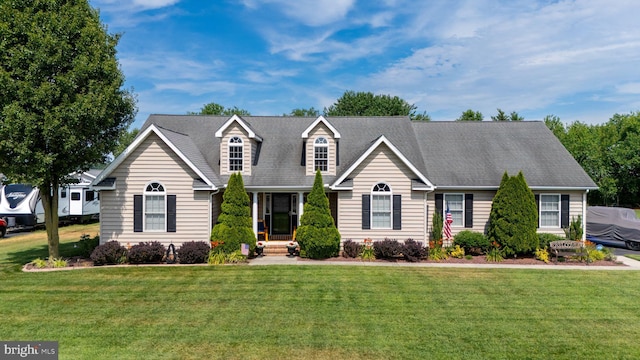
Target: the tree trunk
(49, 196)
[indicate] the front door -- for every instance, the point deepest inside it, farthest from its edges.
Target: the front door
(281, 214)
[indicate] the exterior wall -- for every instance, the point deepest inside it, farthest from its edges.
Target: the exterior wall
(318, 131)
(382, 166)
(248, 150)
(482, 201)
(154, 161)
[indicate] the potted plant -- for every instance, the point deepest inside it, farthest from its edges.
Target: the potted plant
(260, 248)
(292, 247)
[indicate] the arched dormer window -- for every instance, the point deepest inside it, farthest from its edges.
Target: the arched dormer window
(381, 206)
(154, 207)
(321, 154)
(236, 157)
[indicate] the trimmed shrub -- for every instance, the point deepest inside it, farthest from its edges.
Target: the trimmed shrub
(87, 244)
(436, 226)
(109, 253)
(317, 235)
(193, 252)
(387, 249)
(234, 226)
(351, 249)
(474, 243)
(544, 239)
(146, 253)
(413, 251)
(513, 220)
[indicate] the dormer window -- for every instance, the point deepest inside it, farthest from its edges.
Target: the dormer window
(235, 154)
(321, 154)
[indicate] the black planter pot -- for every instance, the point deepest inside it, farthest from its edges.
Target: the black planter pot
(292, 251)
(259, 251)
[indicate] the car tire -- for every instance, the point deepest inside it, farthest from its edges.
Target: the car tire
(3, 231)
(633, 245)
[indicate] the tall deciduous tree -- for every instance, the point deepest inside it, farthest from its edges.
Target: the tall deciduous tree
(470, 115)
(317, 235)
(62, 102)
(125, 139)
(513, 219)
(353, 103)
(502, 116)
(304, 112)
(217, 109)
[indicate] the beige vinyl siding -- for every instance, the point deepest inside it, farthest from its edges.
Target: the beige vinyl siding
(482, 201)
(318, 131)
(153, 160)
(248, 150)
(381, 166)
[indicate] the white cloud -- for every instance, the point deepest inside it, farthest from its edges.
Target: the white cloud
(308, 12)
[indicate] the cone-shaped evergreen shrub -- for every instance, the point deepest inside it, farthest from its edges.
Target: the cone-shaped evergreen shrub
(234, 225)
(514, 217)
(317, 235)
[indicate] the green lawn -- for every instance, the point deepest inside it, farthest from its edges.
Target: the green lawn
(319, 312)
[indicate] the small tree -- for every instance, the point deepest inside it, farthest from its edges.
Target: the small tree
(436, 227)
(234, 225)
(514, 216)
(574, 231)
(317, 235)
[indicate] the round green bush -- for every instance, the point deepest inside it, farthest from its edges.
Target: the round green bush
(472, 242)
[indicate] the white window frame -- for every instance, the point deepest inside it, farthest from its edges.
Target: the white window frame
(321, 143)
(558, 211)
(461, 211)
(235, 142)
(381, 190)
(155, 189)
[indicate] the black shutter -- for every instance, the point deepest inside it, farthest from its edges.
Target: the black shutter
(171, 213)
(468, 210)
(137, 213)
(439, 201)
(397, 212)
(337, 153)
(564, 211)
(538, 207)
(366, 209)
(303, 157)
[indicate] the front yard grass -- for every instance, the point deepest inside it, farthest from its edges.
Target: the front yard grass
(319, 312)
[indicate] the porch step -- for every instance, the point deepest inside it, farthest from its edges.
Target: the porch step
(276, 247)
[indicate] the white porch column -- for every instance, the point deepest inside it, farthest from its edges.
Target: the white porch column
(300, 206)
(254, 214)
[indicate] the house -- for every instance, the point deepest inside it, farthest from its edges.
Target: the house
(384, 176)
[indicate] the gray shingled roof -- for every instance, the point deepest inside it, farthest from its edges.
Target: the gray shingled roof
(449, 154)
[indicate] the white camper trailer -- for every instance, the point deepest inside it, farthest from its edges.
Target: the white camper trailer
(21, 205)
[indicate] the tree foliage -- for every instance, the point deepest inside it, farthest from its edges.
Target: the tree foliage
(234, 225)
(513, 219)
(217, 109)
(62, 106)
(312, 112)
(608, 153)
(470, 115)
(125, 139)
(317, 235)
(502, 116)
(353, 103)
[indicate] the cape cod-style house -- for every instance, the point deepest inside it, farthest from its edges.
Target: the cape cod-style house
(384, 176)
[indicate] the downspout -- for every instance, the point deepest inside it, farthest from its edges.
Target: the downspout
(211, 210)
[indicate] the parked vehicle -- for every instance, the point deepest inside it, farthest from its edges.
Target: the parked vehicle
(21, 205)
(3, 228)
(613, 226)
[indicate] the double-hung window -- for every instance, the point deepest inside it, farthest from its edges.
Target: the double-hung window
(549, 210)
(455, 204)
(381, 206)
(154, 207)
(321, 154)
(235, 154)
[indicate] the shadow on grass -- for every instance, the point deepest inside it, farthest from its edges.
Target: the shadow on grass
(15, 260)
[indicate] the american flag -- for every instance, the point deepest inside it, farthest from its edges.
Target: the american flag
(447, 224)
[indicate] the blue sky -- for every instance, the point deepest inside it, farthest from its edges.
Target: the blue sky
(576, 59)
